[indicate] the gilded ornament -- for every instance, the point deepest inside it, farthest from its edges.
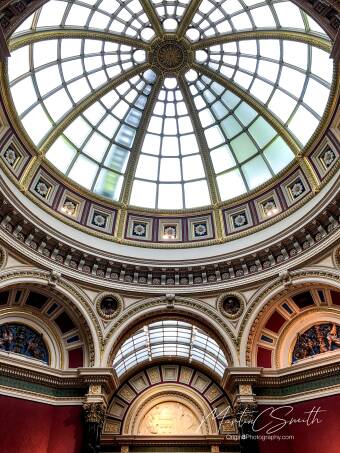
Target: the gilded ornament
(94, 412)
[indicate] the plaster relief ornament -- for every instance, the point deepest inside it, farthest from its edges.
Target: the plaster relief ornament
(170, 232)
(42, 189)
(170, 418)
(69, 207)
(329, 157)
(54, 278)
(139, 229)
(231, 305)
(200, 229)
(109, 305)
(10, 156)
(240, 220)
(297, 189)
(99, 220)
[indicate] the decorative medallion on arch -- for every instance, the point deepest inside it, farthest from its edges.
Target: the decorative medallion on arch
(109, 305)
(169, 400)
(231, 305)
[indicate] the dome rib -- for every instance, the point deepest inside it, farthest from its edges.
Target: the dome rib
(132, 164)
(87, 102)
(241, 93)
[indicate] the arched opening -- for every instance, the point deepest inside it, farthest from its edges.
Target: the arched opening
(170, 338)
(297, 328)
(171, 405)
(43, 314)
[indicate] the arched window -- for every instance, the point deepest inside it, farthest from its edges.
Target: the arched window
(170, 338)
(23, 340)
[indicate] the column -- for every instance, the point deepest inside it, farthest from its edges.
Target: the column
(94, 415)
(246, 412)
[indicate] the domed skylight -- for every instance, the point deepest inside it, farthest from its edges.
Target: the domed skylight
(170, 104)
(170, 338)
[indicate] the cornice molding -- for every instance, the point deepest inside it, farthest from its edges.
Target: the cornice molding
(24, 237)
(292, 381)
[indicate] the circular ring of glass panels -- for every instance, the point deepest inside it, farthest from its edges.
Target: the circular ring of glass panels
(103, 115)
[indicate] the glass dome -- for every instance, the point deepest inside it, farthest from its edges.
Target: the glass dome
(170, 104)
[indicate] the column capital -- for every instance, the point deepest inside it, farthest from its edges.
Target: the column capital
(95, 412)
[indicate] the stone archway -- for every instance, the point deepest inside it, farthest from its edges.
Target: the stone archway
(172, 402)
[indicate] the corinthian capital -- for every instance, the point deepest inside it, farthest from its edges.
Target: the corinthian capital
(94, 412)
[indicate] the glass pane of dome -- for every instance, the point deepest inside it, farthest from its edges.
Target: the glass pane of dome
(282, 78)
(102, 137)
(170, 154)
(124, 17)
(236, 135)
(170, 12)
(234, 16)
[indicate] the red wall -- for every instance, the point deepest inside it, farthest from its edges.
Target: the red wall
(30, 427)
(320, 437)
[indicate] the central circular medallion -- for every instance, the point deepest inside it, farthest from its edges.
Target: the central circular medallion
(170, 56)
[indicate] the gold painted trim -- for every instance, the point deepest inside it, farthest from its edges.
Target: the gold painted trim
(310, 174)
(57, 33)
(303, 37)
(152, 16)
(29, 172)
(187, 17)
